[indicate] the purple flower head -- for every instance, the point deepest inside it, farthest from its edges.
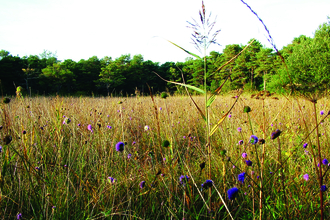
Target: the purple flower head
(322, 112)
(90, 128)
(0, 148)
(129, 156)
(305, 145)
(324, 188)
(239, 129)
(66, 121)
(325, 162)
(120, 146)
(254, 139)
(232, 193)
(248, 162)
(229, 116)
(142, 184)
(160, 108)
(240, 142)
(207, 184)
(79, 124)
(184, 179)
(112, 180)
(108, 126)
(306, 177)
(19, 216)
(244, 155)
(146, 127)
(241, 177)
(275, 134)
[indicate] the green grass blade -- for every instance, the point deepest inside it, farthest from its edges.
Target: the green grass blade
(192, 54)
(182, 84)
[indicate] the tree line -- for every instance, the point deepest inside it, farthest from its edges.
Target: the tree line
(306, 66)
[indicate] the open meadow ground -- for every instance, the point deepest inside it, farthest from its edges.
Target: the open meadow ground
(138, 158)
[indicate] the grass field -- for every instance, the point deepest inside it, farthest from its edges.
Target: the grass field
(60, 159)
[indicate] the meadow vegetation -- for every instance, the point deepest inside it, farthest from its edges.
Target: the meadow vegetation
(232, 155)
(59, 158)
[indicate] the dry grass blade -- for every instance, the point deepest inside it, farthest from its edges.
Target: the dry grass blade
(217, 91)
(199, 110)
(223, 117)
(223, 201)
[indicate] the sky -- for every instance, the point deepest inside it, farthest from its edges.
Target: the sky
(80, 29)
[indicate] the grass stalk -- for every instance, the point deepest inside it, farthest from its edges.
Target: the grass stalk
(320, 162)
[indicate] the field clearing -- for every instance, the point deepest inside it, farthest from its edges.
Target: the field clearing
(60, 158)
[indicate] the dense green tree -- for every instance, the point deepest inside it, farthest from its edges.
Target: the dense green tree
(58, 78)
(265, 61)
(4, 53)
(11, 74)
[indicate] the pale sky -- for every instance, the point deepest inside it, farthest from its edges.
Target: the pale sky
(80, 29)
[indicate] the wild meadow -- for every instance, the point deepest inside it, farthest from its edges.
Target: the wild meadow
(146, 158)
(206, 154)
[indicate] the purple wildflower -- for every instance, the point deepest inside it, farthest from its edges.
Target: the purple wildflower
(244, 155)
(120, 146)
(142, 184)
(112, 180)
(19, 216)
(66, 121)
(90, 128)
(232, 193)
(322, 112)
(207, 184)
(305, 145)
(254, 139)
(241, 177)
(240, 142)
(248, 162)
(184, 179)
(239, 129)
(324, 188)
(306, 177)
(325, 162)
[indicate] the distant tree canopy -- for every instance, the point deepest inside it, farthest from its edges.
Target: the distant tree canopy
(258, 68)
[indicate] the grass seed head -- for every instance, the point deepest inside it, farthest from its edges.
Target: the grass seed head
(163, 95)
(6, 100)
(247, 109)
(165, 143)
